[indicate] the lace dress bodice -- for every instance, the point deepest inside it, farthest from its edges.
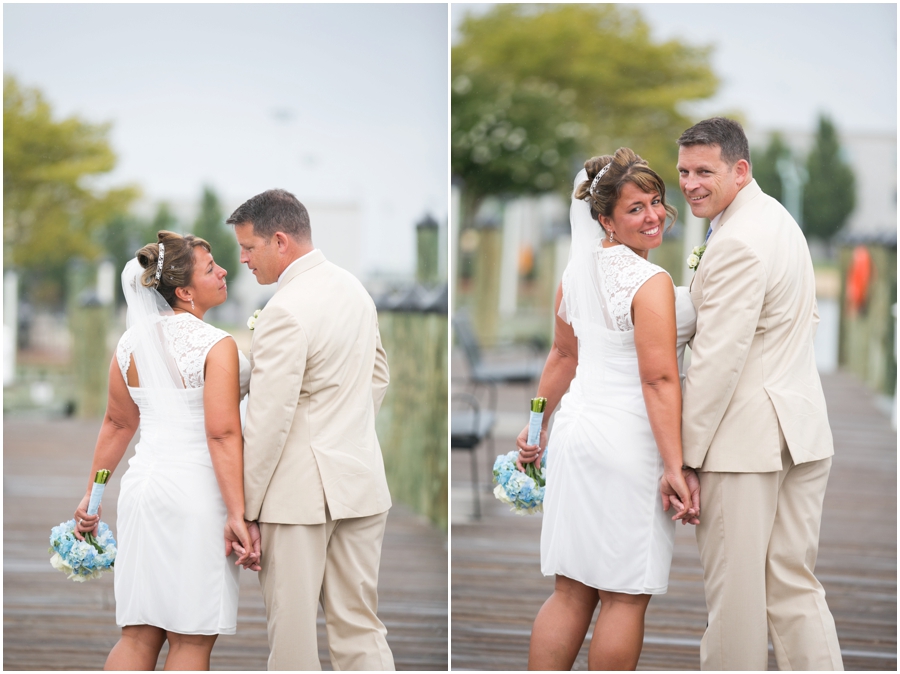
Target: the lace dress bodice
(189, 340)
(622, 273)
(601, 312)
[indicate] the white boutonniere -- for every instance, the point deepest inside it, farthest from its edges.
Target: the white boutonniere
(694, 258)
(251, 322)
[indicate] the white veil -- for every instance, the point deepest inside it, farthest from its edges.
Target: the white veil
(157, 371)
(582, 303)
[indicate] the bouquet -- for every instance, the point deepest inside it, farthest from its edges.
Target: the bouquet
(523, 491)
(87, 559)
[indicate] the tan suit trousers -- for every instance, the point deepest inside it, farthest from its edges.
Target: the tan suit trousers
(335, 564)
(758, 540)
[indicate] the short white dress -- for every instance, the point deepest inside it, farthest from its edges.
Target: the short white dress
(171, 569)
(603, 522)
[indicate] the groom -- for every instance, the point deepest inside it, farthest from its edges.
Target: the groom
(754, 419)
(313, 472)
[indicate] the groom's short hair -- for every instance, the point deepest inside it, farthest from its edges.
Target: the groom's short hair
(274, 211)
(726, 133)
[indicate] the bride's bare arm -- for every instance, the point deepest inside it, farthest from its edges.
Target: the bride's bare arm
(559, 370)
(221, 400)
(653, 310)
(119, 426)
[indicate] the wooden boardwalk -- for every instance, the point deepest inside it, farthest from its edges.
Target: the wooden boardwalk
(50, 623)
(497, 587)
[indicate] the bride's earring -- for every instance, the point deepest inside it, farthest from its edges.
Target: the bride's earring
(193, 308)
(610, 233)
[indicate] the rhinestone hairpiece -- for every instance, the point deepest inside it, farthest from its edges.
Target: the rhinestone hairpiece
(159, 263)
(599, 175)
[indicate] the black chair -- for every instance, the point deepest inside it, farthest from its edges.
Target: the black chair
(490, 374)
(468, 428)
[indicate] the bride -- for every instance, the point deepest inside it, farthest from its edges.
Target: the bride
(620, 333)
(180, 380)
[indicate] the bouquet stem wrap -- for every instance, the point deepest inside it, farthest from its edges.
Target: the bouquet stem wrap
(100, 480)
(535, 420)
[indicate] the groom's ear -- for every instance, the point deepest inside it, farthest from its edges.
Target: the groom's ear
(742, 171)
(281, 240)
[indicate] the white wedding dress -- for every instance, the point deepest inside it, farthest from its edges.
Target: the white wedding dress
(171, 570)
(603, 522)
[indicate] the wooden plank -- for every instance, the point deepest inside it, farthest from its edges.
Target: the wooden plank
(51, 623)
(497, 587)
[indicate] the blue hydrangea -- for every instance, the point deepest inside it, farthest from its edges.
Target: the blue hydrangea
(524, 492)
(79, 559)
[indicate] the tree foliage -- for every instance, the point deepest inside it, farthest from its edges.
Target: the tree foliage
(51, 212)
(626, 89)
(163, 219)
(510, 138)
(830, 194)
(765, 166)
(210, 225)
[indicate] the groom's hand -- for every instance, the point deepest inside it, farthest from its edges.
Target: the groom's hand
(676, 490)
(529, 453)
(693, 483)
(239, 540)
(256, 552)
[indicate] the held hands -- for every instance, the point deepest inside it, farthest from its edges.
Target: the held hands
(240, 540)
(681, 489)
(85, 522)
(530, 453)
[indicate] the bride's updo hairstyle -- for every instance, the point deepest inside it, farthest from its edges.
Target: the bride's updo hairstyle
(178, 262)
(623, 167)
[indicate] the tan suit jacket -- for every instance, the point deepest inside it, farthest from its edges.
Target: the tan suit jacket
(752, 362)
(319, 376)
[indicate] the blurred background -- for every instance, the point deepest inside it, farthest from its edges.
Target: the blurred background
(538, 89)
(123, 119)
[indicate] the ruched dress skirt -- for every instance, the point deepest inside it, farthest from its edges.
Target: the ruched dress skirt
(603, 523)
(171, 570)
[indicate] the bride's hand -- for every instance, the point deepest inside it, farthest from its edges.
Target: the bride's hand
(85, 522)
(675, 491)
(238, 540)
(529, 453)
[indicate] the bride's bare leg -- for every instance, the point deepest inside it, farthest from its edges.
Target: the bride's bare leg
(189, 652)
(561, 624)
(619, 632)
(137, 649)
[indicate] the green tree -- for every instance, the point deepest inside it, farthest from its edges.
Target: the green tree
(210, 225)
(510, 138)
(830, 193)
(765, 166)
(162, 219)
(50, 211)
(627, 89)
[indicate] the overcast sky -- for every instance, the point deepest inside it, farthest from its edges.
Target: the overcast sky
(781, 64)
(331, 102)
